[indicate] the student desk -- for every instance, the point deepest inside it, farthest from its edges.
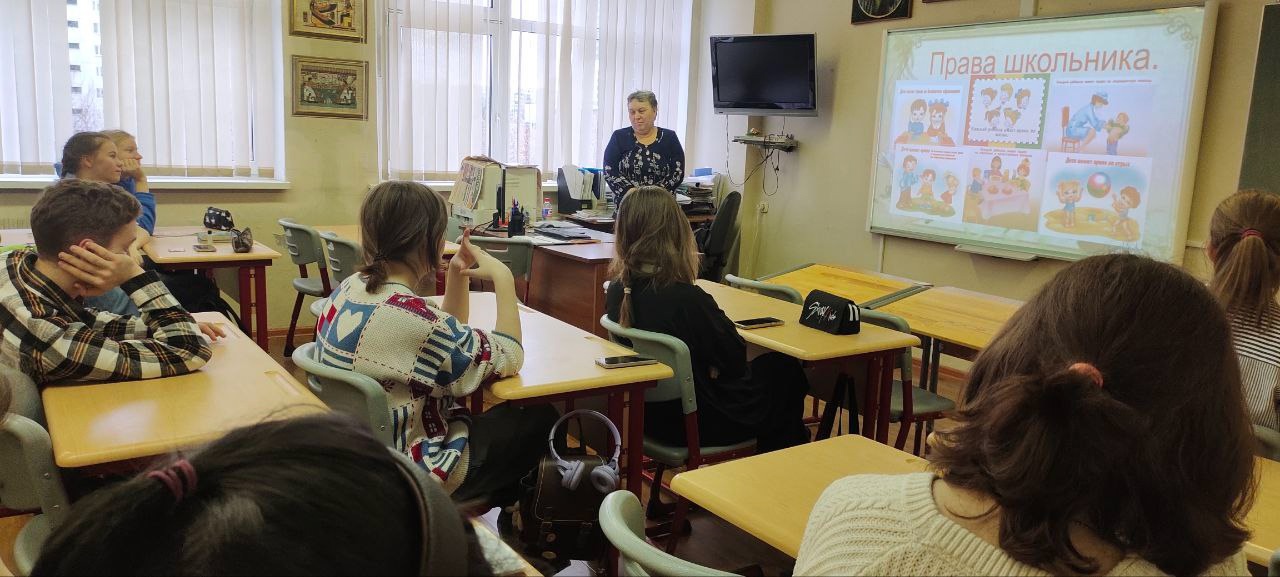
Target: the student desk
(351, 232)
(866, 288)
(770, 496)
(16, 236)
(879, 346)
(965, 321)
(171, 248)
(567, 280)
(95, 424)
(559, 365)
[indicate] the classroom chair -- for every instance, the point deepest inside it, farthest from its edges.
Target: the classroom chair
(348, 392)
(675, 354)
(1274, 569)
(29, 478)
(516, 253)
(317, 307)
(1268, 442)
(1068, 144)
(777, 291)
(721, 239)
(305, 247)
(344, 256)
(909, 405)
(622, 520)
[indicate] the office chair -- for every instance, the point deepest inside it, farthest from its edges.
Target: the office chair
(720, 240)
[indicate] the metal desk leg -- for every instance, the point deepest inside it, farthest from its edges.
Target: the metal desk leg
(246, 303)
(886, 397)
(260, 303)
(871, 396)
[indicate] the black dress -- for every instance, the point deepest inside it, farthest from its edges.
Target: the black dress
(763, 399)
(628, 164)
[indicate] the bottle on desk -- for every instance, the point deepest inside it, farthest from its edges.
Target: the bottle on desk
(546, 207)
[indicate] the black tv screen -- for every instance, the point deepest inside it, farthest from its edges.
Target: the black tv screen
(764, 75)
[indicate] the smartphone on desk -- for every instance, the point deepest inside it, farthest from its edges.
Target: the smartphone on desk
(627, 361)
(759, 323)
(204, 248)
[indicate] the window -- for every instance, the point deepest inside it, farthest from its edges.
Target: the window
(78, 111)
(95, 26)
(201, 93)
(525, 81)
(71, 2)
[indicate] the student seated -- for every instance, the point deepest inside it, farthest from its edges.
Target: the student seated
(425, 355)
(316, 495)
(653, 270)
(98, 157)
(1102, 432)
(82, 231)
(1244, 245)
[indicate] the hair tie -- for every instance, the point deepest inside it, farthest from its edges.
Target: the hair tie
(626, 290)
(1248, 232)
(1088, 370)
(179, 485)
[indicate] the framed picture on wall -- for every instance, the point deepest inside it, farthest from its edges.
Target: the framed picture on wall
(330, 88)
(865, 11)
(335, 19)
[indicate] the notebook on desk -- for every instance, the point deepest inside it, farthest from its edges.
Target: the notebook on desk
(564, 233)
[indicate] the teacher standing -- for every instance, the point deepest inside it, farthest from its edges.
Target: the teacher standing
(643, 154)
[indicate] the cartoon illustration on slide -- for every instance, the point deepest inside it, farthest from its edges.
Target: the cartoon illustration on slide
(1112, 211)
(915, 127)
(1116, 129)
(927, 182)
(1003, 197)
(922, 113)
(1101, 116)
(1069, 194)
(1006, 109)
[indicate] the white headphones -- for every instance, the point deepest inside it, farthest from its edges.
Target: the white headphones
(603, 477)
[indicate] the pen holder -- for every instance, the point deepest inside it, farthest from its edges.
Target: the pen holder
(515, 226)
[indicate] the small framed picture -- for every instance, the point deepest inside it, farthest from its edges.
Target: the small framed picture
(865, 11)
(335, 19)
(330, 88)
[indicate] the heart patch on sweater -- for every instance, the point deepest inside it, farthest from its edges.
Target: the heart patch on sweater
(348, 322)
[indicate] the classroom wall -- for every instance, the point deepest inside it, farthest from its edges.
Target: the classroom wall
(819, 209)
(705, 142)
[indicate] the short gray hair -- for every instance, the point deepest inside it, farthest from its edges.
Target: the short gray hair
(646, 96)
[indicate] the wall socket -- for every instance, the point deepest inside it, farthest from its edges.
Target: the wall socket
(764, 207)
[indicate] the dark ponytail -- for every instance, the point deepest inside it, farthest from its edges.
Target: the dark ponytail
(1051, 447)
(80, 145)
(1112, 401)
(402, 221)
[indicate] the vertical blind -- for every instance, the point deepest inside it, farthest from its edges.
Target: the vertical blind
(540, 82)
(35, 79)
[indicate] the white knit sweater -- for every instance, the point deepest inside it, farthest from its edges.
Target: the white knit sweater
(890, 525)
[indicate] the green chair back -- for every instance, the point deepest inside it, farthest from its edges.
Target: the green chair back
(344, 257)
(669, 351)
(622, 520)
(777, 291)
(29, 477)
(1268, 442)
(302, 243)
(516, 253)
(347, 391)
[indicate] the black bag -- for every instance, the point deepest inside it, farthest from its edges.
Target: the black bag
(556, 523)
(827, 312)
(198, 294)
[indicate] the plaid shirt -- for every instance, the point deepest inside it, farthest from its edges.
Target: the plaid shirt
(51, 336)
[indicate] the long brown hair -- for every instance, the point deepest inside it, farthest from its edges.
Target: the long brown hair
(1244, 245)
(652, 241)
(1154, 456)
(404, 221)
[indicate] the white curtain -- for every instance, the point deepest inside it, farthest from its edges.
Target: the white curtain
(198, 82)
(540, 82)
(35, 98)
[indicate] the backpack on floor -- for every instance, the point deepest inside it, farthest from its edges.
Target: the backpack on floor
(199, 294)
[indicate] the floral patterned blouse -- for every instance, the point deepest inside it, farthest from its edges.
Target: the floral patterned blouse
(628, 164)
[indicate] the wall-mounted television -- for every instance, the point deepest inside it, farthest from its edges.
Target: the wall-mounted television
(764, 75)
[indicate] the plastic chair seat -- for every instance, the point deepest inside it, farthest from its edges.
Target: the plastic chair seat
(317, 307)
(922, 402)
(677, 456)
(311, 286)
(26, 548)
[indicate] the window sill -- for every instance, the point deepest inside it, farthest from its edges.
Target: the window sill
(37, 182)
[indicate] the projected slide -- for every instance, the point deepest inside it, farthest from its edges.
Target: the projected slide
(1059, 137)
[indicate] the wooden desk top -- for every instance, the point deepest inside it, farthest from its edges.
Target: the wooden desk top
(956, 316)
(770, 495)
(173, 245)
(852, 283)
(1264, 519)
(558, 358)
(351, 232)
(91, 424)
(794, 339)
(596, 252)
(745, 491)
